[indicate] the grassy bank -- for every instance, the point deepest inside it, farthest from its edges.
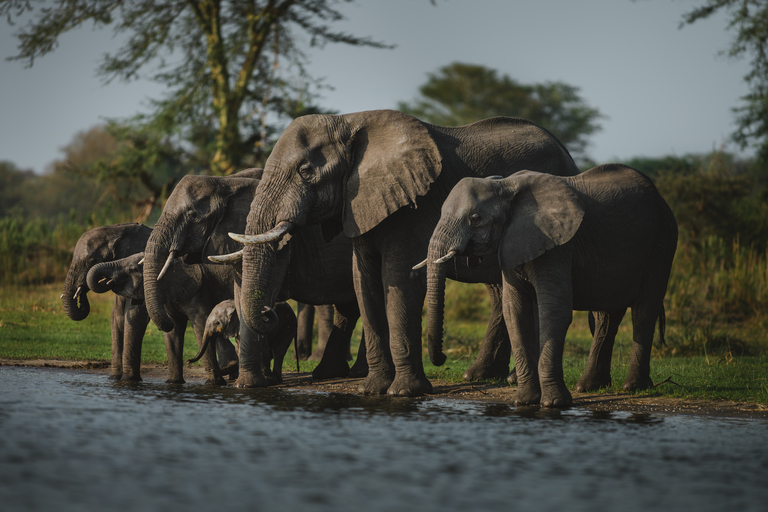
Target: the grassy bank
(33, 325)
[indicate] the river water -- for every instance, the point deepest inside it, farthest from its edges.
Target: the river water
(77, 441)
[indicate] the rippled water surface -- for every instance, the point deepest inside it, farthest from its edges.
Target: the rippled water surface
(77, 441)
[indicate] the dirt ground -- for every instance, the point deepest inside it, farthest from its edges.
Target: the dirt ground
(489, 393)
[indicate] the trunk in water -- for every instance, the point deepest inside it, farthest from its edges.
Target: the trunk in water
(155, 256)
(435, 303)
(71, 308)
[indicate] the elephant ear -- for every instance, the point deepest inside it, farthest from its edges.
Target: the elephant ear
(236, 197)
(395, 160)
(544, 212)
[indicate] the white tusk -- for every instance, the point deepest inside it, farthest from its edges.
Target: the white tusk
(62, 296)
(227, 258)
(141, 261)
(102, 280)
(171, 255)
(110, 282)
(77, 293)
(445, 258)
(282, 228)
(417, 267)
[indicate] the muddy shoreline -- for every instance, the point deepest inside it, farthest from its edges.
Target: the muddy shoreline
(490, 393)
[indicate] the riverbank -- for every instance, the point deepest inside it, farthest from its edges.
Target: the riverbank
(485, 392)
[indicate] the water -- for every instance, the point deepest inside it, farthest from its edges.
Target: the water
(77, 441)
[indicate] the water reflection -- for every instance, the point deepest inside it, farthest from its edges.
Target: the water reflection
(71, 441)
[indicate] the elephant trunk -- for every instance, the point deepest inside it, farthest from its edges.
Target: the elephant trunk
(435, 304)
(72, 295)
(156, 255)
(203, 347)
(100, 277)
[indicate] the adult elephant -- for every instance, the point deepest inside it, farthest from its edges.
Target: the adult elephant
(195, 223)
(381, 178)
(603, 240)
(128, 320)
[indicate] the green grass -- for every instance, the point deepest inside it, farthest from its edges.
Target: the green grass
(711, 362)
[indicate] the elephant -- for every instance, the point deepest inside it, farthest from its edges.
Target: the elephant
(305, 314)
(603, 241)
(195, 223)
(223, 323)
(380, 177)
(128, 320)
(192, 292)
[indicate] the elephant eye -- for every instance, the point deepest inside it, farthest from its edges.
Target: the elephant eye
(474, 219)
(306, 171)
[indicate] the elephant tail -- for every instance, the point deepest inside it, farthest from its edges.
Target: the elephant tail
(662, 326)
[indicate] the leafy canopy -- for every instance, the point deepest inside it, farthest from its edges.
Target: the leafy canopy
(459, 94)
(749, 18)
(233, 69)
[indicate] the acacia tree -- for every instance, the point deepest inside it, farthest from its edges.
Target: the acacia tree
(750, 20)
(459, 94)
(218, 59)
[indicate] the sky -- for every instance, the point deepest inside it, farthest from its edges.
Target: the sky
(663, 90)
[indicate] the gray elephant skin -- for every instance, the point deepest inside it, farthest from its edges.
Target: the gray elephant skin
(192, 291)
(195, 224)
(603, 240)
(128, 320)
(381, 178)
(223, 323)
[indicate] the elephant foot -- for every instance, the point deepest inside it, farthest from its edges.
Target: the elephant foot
(133, 378)
(410, 385)
(593, 383)
(231, 368)
(115, 376)
(556, 395)
(636, 382)
(274, 378)
(359, 369)
(214, 380)
(329, 369)
(375, 384)
(233, 376)
(250, 380)
(174, 381)
(479, 370)
(512, 377)
(528, 393)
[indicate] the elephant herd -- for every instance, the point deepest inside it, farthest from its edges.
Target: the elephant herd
(345, 212)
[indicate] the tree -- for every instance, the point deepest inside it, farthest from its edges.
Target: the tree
(750, 20)
(219, 59)
(460, 94)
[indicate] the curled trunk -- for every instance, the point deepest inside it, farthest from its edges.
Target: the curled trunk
(99, 277)
(75, 308)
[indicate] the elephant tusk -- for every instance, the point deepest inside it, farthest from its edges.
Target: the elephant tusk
(171, 256)
(275, 233)
(227, 258)
(445, 258)
(110, 282)
(141, 261)
(418, 266)
(62, 296)
(269, 314)
(102, 280)
(77, 293)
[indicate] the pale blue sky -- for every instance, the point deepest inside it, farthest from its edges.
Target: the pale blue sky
(664, 90)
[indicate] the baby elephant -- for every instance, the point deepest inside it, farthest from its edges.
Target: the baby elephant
(603, 240)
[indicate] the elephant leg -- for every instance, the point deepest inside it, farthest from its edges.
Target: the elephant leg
(174, 349)
(334, 362)
(644, 316)
(226, 356)
(136, 321)
(366, 265)
(306, 320)
(117, 322)
(604, 326)
(520, 312)
(493, 360)
(325, 322)
(253, 354)
(280, 341)
(360, 368)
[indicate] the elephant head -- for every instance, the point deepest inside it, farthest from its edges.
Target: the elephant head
(347, 173)
(515, 219)
(222, 321)
(97, 245)
(195, 223)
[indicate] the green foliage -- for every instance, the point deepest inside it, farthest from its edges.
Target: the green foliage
(459, 94)
(233, 70)
(748, 19)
